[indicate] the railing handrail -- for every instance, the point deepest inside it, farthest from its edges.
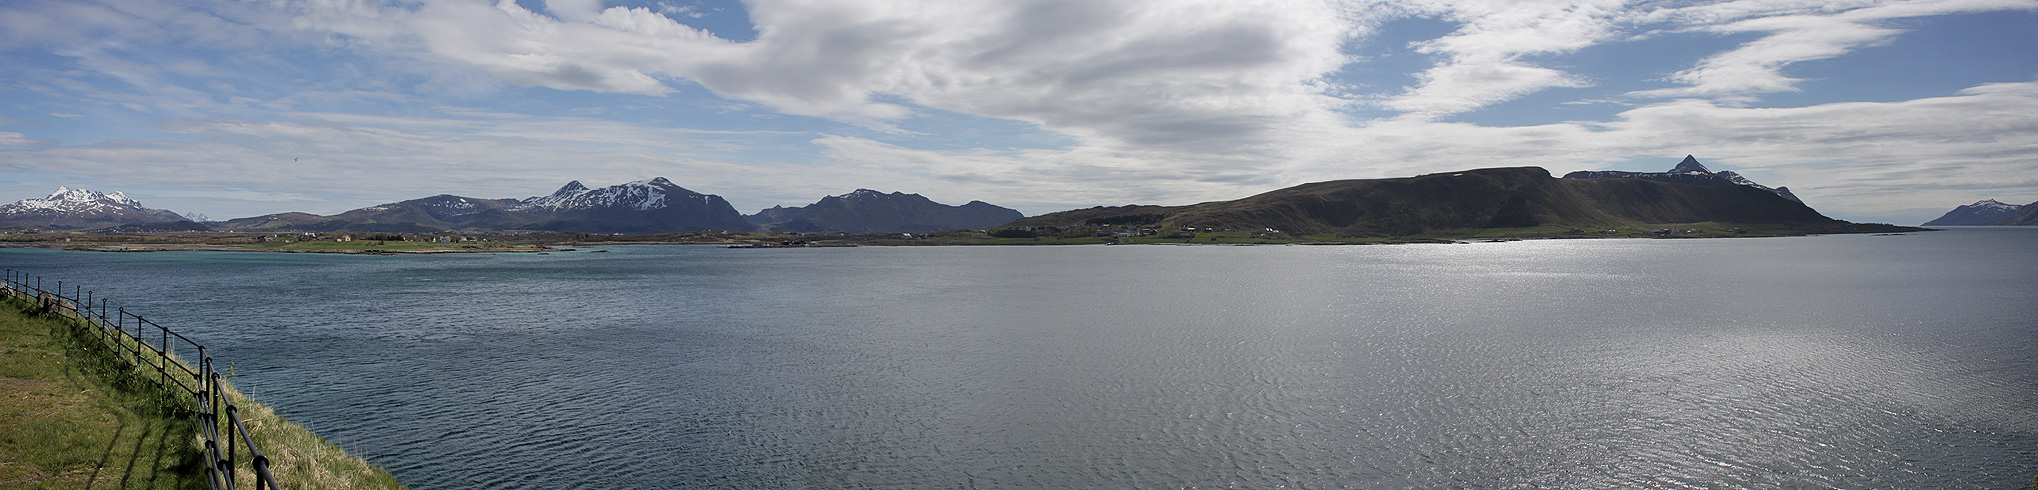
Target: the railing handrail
(210, 394)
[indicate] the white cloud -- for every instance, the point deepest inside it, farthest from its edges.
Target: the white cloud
(1483, 60)
(1160, 101)
(1208, 76)
(1797, 32)
(18, 140)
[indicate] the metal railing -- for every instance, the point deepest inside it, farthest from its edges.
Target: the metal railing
(130, 336)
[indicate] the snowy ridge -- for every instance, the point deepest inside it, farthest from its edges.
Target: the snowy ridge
(642, 195)
(450, 205)
(1991, 205)
(80, 208)
(68, 200)
(1985, 212)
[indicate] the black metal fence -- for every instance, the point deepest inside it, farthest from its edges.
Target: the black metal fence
(145, 345)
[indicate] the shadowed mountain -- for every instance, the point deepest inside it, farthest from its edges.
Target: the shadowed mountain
(2027, 216)
(869, 211)
(1519, 197)
(1688, 171)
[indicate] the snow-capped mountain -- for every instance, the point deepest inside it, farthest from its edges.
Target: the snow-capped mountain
(869, 211)
(642, 195)
(1688, 171)
(1981, 213)
(69, 208)
(645, 206)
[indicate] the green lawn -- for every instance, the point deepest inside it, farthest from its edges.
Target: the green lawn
(63, 425)
(71, 416)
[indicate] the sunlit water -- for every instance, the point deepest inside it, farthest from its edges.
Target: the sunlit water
(1838, 361)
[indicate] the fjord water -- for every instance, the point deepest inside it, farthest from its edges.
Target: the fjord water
(1904, 361)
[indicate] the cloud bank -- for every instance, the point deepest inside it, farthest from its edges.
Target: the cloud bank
(1149, 101)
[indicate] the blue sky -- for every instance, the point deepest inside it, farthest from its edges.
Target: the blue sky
(1871, 110)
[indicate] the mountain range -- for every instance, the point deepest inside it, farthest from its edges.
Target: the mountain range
(69, 208)
(645, 206)
(1518, 197)
(1989, 212)
(648, 206)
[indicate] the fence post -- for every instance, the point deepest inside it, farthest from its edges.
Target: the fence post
(163, 352)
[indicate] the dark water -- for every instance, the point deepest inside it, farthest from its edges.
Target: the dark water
(1840, 361)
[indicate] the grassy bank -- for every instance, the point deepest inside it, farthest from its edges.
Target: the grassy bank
(73, 416)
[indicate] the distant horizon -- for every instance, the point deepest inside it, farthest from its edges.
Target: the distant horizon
(1871, 110)
(211, 219)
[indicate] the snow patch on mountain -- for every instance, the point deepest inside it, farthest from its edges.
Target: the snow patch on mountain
(81, 208)
(1992, 205)
(1985, 212)
(68, 200)
(642, 195)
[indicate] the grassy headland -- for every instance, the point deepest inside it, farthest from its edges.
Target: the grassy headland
(72, 415)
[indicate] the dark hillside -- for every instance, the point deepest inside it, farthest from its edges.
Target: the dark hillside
(1644, 201)
(1519, 197)
(1486, 198)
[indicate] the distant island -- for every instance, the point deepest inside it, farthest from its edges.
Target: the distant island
(1989, 212)
(1521, 202)
(1689, 201)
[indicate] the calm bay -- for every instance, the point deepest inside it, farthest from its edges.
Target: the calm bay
(1903, 361)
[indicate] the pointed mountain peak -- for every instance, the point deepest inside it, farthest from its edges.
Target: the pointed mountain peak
(571, 188)
(657, 181)
(1690, 164)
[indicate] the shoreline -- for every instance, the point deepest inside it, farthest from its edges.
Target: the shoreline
(546, 243)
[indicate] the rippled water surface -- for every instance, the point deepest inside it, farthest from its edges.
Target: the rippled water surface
(1839, 361)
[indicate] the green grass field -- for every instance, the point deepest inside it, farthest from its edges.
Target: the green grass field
(73, 417)
(63, 425)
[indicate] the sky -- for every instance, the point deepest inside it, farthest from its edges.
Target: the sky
(1869, 110)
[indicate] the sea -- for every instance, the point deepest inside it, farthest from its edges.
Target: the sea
(1841, 361)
